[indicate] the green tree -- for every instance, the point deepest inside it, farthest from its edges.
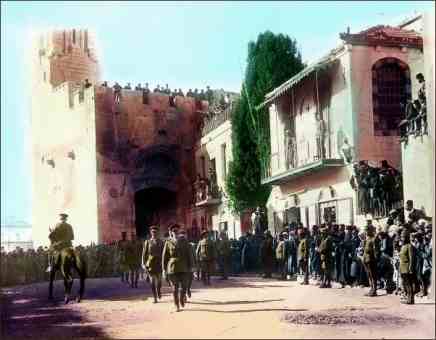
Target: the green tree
(271, 60)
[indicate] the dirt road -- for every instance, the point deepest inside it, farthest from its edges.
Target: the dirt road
(243, 307)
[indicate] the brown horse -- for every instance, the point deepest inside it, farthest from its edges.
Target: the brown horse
(66, 260)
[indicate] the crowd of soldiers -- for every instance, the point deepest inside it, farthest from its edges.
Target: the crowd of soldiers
(24, 267)
(395, 256)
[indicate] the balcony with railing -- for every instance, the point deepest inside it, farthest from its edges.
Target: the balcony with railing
(298, 160)
(207, 192)
(215, 117)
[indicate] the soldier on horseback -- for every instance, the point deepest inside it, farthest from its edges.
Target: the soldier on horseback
(61, 237)
(64, 258)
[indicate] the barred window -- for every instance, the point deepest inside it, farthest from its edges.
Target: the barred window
(391, 90)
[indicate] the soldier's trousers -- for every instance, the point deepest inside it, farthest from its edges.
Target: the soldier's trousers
(371, 270)
(326, 275)
(179, 282)
(156, 284)
(206, 269)
(282, 264)
(304, 266)
(408, 286)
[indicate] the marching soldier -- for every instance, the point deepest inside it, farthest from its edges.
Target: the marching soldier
(190, 274)
(206, 256)
(371, 255)
(121, 250)
(407, 263)
(133, 256)
(325, 250)
(224, 251)
(64, 235)
(267, 254)
(152, 261)
(303, 255)
(177, 264)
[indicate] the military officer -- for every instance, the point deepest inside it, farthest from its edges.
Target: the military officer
(267, 254)
(133, 254)
(61, 237)
(121, 250)
(177, 264)
(371, 255)
(407, 266)
(325, 250)
(152, 261)
(206, 256)
(303, 255)
(224, 252)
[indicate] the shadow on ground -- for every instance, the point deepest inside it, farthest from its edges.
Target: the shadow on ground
(24, 315)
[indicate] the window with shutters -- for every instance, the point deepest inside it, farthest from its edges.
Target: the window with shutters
(391, 91)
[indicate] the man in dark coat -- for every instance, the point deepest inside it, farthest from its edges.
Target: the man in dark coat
(267, 255)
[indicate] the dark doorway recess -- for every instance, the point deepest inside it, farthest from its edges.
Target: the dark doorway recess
(151, 206)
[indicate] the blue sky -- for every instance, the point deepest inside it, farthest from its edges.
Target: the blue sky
(183, 44)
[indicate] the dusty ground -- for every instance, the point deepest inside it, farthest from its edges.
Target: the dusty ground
(243, 307)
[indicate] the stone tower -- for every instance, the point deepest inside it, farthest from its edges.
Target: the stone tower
(63, 133)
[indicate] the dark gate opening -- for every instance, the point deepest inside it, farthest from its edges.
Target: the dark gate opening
(152, 207)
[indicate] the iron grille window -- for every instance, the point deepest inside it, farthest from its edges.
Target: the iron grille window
(391, 90)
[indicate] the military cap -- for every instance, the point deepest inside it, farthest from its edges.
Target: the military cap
(154, 227)
(174, 226)
(323, 230)
(63, 215)
(203, 232)
(182, 231)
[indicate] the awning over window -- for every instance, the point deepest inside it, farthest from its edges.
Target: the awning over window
(321, 64)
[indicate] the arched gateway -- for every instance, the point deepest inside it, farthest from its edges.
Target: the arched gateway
(155, 185)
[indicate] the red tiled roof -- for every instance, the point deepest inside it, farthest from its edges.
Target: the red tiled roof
(384, 35)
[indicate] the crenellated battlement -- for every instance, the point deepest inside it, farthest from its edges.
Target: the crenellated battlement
(69, 56)
(153, 101)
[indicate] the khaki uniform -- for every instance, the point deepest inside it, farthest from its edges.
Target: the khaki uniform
(303, 257)
(325, 250)
(407, 272)
(281, 257)
(177, 263)
(61, 237)
(152, 259)
(371, 255)
(206, 255)
(133, 258)
(122, 259)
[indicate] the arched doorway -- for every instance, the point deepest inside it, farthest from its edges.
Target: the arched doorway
(152, 206)
(155, 185)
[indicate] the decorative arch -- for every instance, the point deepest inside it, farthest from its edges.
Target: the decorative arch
(391, 89)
